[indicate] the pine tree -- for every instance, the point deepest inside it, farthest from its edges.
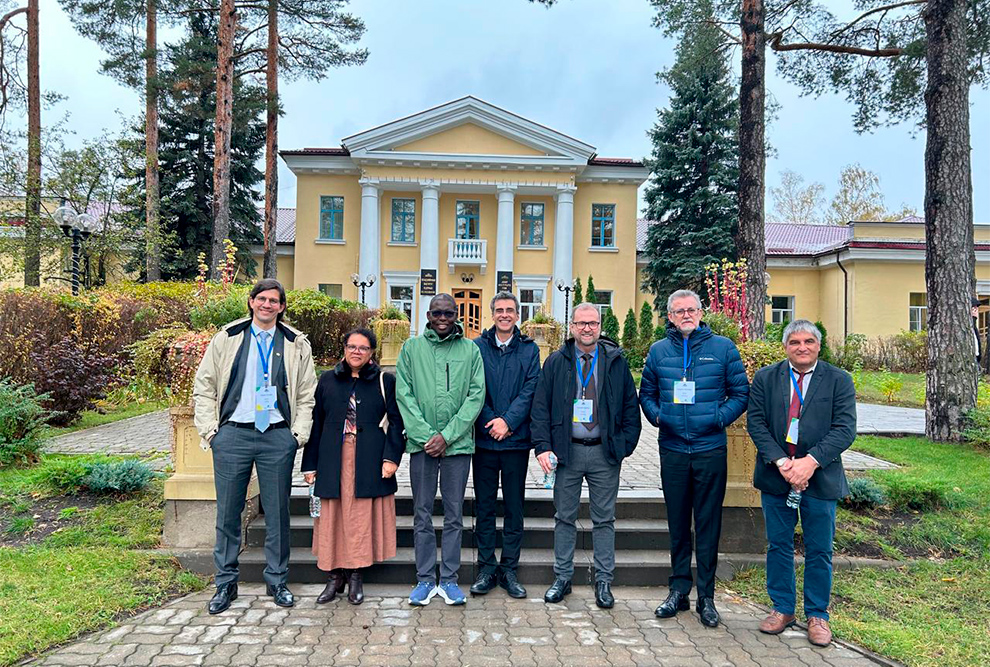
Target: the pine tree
(645, 328)
(630, 331)
(589, 295)
(693, 187)
(610, 324)
(577, 296)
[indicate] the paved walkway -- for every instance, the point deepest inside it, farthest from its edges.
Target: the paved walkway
(493, 630)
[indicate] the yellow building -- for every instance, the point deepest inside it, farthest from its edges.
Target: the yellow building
(464, 198)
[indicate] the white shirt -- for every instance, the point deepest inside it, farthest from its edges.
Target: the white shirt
(805, 381)
(500, 343)
(244, 412)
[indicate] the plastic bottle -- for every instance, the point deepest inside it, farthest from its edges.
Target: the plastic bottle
(549, 478)
(314, 502)
(794, 499)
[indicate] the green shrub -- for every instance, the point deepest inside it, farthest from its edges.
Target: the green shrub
(977, 429)
(391, 312)
(120, 477)
(64, 475)
(864, 493)
(826, 352)
(220, 311)
(906, 493)
(759, 353)
(850, 352)
(324, 320)
(22, 418)
(774, 333)
(911, 350)
(610, 323)
(889, 385)
(723, 325)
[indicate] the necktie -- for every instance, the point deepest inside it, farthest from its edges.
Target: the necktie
(262, 418)
(590, 391)
(794, 412)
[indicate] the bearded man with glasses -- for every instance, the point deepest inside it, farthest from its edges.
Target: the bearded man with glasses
(440, 386)
(586, 414)
(694, 385)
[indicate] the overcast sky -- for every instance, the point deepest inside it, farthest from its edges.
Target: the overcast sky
(577, 68)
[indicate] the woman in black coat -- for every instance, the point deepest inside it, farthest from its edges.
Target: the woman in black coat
(351, 457)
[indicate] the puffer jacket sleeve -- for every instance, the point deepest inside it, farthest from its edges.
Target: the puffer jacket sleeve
(649, 386)
(302, 411)
(736, 387)
(205, 393)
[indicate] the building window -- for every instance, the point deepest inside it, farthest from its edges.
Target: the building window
(603, 300)
(334, 290)
(603, 225)
(467, 219)
(781, 309)
(531, 225)
(402, 298)
(530, 302)
(918, 312)
(332, 218)
(404, 220)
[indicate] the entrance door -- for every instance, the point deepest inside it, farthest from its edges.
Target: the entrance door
(469, 311)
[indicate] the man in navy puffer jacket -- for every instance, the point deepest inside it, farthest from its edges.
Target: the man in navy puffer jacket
(694, 385)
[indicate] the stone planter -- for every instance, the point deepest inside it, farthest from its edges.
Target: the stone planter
(739, 491)
(540, 333)
(391, 335)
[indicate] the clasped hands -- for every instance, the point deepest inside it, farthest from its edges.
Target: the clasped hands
(388, 469)
(797, 472)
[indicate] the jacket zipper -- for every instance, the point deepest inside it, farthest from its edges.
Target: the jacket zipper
(448, 377)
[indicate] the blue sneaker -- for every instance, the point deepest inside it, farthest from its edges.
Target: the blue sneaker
(422, 593)
(451, 594)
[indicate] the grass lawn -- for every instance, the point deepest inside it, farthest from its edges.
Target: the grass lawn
(110, 414)
(71, 564)
(933, 611)
(911, 394)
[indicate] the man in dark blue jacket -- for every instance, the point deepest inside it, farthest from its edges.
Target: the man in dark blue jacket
(694, 385)
(502, 443)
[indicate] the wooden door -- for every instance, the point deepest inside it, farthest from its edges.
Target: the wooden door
(469, 311)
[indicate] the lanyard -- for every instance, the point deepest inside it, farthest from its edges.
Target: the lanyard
(264, 358)
(591, 371)
(797, 388)
(687, 357)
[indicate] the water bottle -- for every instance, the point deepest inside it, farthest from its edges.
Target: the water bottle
(549, 478)
(794, 499)
(314, 502)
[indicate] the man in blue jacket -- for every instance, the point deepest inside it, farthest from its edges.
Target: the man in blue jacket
(502, 443)
(694, 385)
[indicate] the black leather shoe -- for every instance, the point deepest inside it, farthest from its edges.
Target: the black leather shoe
(226, 593)
(511, 585)
(485, 582)
(674, 603)
(603, 595)
(558, 589)
(706, 610)
(335, 586)
(282, 594)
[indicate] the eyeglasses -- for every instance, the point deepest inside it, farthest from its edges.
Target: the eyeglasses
(681, 312)
(586, 325)
(363, 349)
(448, 314)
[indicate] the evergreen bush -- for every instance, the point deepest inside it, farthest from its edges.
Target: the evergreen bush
(65, 475)
(864, 493)
(723, 325)
(22, 419)
(610, 324)
(120, 477)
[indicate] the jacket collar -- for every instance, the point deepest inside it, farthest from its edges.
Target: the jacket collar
(368, 372)
(239, 326)
(702, 333)
(610, 348)
(431, 335)
(489, 336)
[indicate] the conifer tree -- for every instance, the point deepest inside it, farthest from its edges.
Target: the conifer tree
(692, 193)
(610, 324)
(646, 322)
(589, 295)
(578, 295)
(630, 331)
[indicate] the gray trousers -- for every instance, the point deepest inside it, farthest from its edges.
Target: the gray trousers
(585, 463)
(424, 473)
(235, 451)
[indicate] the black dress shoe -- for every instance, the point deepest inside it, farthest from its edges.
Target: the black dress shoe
(226, 593)
(511, 585)
(706, 610)
(603, 595)
(674, 603)
(558, 589)
(335, 586)
(485, 582)
(282, 595)
(355, 589)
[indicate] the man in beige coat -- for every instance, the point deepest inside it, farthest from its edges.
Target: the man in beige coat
(254, 395)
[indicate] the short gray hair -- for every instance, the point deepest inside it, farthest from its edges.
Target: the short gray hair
(799, 326)
(584, 305)
(505, 296)
(681, 294)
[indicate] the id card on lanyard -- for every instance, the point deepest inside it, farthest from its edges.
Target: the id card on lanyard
(792, 428)
(684, 390)
(265, 396)
(584, 408)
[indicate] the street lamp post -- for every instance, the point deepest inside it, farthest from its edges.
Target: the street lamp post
(78, 227)
(363, 284)
(566, 289)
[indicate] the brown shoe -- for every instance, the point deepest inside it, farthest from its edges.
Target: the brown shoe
(819, 633)
(776, 623)
(335, 586)
(355, 589)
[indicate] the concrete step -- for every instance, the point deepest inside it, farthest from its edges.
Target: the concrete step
(538, 532)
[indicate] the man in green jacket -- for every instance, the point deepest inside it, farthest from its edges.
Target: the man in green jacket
(440, 387)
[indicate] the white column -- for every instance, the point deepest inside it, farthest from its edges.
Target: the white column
(563, 249)
(506, 229)
(370, 250)
(429, 243)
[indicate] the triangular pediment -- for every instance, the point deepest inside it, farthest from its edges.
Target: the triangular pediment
(471, 128)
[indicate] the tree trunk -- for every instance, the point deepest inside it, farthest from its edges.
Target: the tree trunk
(152, 231)
(271, 144)
(224, 123)
(32, 213)
(949, 257)
(752, 162)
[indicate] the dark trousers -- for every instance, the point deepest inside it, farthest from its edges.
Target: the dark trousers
(426, 473)
(818, 530)
(512, 464)
(694, 484)
(235, 451)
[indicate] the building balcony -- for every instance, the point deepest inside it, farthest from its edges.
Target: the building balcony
(470, 252)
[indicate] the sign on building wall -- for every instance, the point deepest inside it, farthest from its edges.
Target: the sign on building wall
(503, 281)
(427, 282)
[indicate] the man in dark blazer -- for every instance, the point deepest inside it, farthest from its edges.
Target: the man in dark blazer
(802, 416)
